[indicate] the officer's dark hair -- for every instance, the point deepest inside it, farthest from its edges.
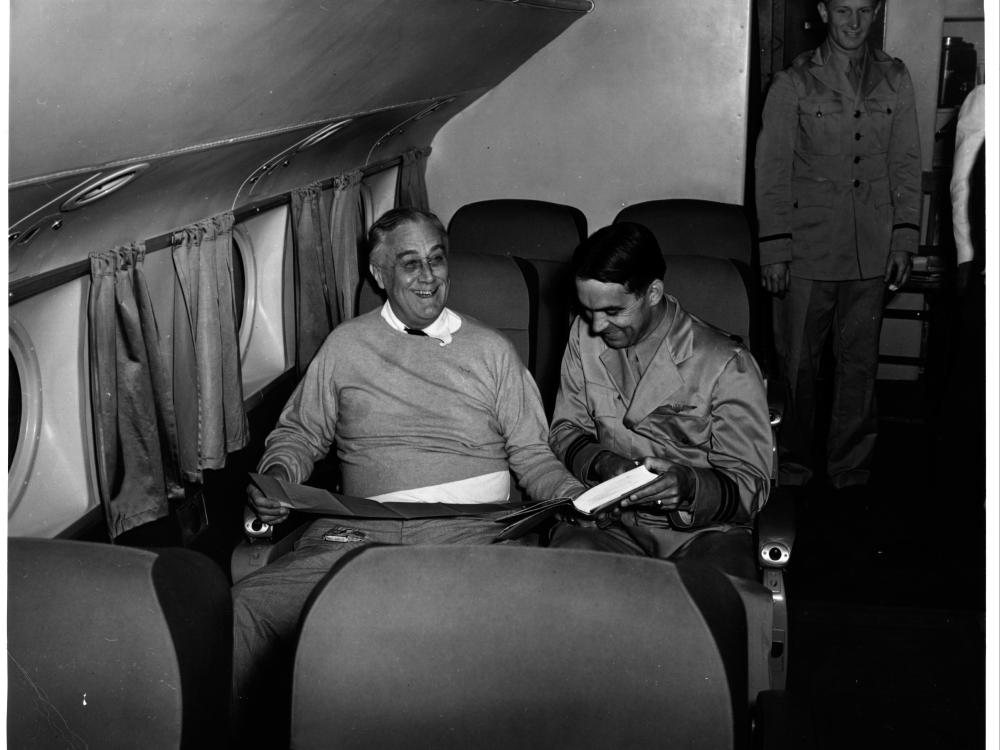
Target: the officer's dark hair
(396, 217)
(623, 253)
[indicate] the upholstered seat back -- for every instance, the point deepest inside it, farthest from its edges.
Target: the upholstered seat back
(687, 226)
(113, 647)
(713, 289)
(530, 229)
(518, 647)
(541, 236)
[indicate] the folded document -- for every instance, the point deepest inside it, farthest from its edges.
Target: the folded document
(594, 500)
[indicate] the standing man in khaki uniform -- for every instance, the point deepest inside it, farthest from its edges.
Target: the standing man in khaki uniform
(838, 201)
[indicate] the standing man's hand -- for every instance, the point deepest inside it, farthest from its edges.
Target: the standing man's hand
(897, 270)
(774, 277)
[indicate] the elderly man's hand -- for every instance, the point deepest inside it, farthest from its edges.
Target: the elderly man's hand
(673, 489)
(267, 509)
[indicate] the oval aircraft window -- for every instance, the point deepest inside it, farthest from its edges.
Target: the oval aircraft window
(244, 286)
(13, 409)
(239, 282)
(24, 397)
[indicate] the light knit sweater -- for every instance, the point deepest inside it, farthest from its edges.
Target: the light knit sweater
(404, 412)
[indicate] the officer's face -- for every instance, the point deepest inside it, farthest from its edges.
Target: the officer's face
(848, 22)
(621, 318)
(412, 267)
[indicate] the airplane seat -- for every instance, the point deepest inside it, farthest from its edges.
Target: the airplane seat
(502, 646)
(541, 237)
(691, 226)
(116, 647)
(714, 290)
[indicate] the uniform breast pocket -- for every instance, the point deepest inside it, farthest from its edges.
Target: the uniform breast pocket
(607, 410)
(684, 430)
(820, 125)
(880, 111)
(603, 401)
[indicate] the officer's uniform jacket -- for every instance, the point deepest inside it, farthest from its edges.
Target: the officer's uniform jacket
(700, 402)
(838, 171)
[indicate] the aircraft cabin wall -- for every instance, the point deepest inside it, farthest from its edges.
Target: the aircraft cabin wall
(636, 101)
(223, 116)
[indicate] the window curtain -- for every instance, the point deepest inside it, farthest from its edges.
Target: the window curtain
(411, 186)
(316, 308)
(348, 229)
(133, 412)
(208, 385)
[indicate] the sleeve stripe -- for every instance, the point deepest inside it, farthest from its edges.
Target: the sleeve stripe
(914, 227)
(575, 447)
(730, 498)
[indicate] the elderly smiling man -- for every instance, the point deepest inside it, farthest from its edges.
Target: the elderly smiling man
(422, 404)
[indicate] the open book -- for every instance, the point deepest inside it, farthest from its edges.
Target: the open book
(590, 502)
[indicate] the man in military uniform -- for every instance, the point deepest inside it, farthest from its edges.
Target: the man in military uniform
(838, 201)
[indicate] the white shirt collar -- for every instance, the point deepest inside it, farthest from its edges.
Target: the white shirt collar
(442, 329)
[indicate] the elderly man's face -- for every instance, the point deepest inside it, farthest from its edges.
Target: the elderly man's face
(620, 317)
(411, 266)
(848, 22)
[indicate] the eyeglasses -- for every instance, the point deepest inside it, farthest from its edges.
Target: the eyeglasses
(413, 266)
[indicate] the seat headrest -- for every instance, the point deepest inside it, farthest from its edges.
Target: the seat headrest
(687, 226)
(116, 647)
(535, 230)
(504, 646)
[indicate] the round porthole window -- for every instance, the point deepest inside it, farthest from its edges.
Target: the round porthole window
(25, 413)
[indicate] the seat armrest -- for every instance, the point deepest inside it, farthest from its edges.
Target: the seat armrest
(775, 400)
(776, 529)
(256, 552)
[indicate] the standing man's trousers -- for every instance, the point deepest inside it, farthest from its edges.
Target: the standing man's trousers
(810, 312)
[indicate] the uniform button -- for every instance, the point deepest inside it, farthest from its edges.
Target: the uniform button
(857, 159)
(857, 136)
(857, 113)
(888, 110)
(857, 182)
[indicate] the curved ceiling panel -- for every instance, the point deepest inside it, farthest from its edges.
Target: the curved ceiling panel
(102, 82)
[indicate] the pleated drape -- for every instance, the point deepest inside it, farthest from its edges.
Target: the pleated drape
(411, 184)
(208, 383)
(134, 427)
(316, 308)
(347, 237)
